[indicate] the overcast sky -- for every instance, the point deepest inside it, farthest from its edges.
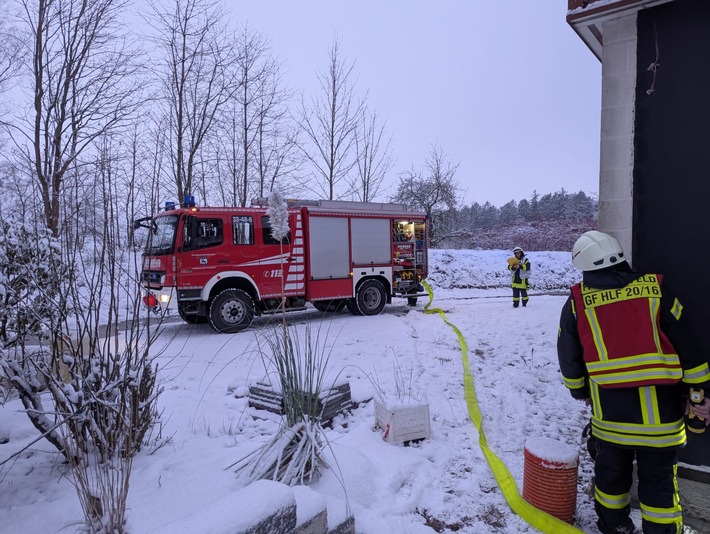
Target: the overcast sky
(506, 88)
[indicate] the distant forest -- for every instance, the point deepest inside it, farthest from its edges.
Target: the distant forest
(552, 221)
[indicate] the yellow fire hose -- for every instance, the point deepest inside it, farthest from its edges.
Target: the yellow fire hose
(542, 521)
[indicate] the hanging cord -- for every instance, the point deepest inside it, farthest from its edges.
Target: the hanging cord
(653, 67)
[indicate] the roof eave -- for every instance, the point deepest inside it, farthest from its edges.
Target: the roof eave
(586, 17)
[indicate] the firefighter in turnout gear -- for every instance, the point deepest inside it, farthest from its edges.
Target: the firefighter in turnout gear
(625, 348)
(520, 266)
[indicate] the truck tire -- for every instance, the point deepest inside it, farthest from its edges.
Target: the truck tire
(334, 305)
(190, 318)
(231, 311)
(352, 307)
(371, 297)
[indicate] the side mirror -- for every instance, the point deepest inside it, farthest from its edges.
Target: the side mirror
(141, 223)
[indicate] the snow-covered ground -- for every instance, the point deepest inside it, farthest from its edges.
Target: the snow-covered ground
(443, 480)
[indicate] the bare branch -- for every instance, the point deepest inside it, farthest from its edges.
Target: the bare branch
(85, 85)
(330, 126)
(435, 193)
(255, 144)
(373, 157)
(198, 80)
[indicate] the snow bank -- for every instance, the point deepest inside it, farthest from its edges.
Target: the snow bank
(487, 269)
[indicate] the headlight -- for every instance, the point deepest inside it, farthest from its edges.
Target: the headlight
(164, 299)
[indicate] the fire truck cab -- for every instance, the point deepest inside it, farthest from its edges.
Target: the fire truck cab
(222, 265)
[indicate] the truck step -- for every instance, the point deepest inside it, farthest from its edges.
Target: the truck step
(279, 310)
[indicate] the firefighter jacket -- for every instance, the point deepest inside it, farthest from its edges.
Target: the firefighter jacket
(623, 344)
(520, 276)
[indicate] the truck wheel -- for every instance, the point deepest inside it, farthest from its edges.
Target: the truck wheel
(190, 318)
(334, 305)
(371, 297)
(352, 306)
(231, 311)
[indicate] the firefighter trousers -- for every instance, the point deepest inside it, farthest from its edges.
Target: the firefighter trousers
(517, 292)
(657, 490)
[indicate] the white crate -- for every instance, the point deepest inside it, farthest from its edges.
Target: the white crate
(403, 422)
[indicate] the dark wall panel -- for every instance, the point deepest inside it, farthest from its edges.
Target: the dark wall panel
(672, 163)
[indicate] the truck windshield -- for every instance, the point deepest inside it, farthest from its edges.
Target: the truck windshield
(162, 238)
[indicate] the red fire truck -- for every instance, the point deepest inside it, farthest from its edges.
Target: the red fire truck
(222, 265)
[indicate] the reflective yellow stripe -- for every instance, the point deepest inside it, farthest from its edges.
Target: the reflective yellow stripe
(596, 403)
(675, 483)
(542, 521)
(574, 309)
(662, 360)
(615, 502)
(639, 428)
(677, 309)
(664, 516)
(665, 367)
(642, 441)
(649, 405)
(596, 334)
(630, 377)
(653, 305)
(636, 434)
(573, 383)
(696, 375)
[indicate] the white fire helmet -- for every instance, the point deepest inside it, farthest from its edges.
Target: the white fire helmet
(596, 250)
(518, 249)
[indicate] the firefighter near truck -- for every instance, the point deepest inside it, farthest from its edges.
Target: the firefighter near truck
(221, 264)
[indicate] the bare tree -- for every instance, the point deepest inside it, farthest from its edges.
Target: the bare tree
(373, 157)
(198, 79)
(330, 125)
(84, 85)
(253, 146)
(110, 366)
(256, 74)
(11, 52)
(278, 159)
(275, 155)
(86, 377)
(228, 161)
(435, 192)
